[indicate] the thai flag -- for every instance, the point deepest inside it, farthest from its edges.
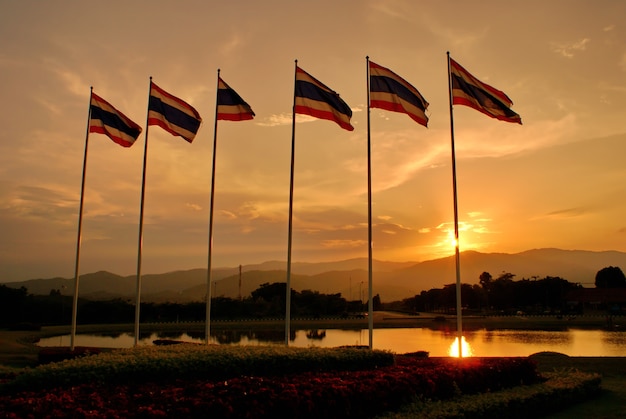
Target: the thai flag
(469, 91)
(230, 106)
(391, 92)
(315, 99)
(105, 119)
(172, 114)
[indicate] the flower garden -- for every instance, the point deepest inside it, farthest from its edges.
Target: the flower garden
(270, 382)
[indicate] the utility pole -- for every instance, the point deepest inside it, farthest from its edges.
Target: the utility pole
(239, 282)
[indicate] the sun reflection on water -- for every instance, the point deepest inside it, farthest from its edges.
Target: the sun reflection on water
(466, 349)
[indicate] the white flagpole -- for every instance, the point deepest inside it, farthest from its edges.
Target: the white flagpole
(80, 227)
(207, 330)
(369, 213)
(140, 240)
(290, 234)
(459, 315)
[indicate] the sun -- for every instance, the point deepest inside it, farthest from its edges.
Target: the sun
(452, 240)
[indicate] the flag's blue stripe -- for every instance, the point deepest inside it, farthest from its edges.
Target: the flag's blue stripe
(481, 95)
(311, 91)
(389, 85)
(229, 97)
(111, 119)
(173, 115)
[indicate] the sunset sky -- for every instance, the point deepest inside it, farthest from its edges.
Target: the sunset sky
(558, 180)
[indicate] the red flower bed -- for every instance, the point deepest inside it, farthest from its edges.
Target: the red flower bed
(353, 394)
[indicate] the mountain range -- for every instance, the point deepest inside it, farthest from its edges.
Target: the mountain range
(391, 280)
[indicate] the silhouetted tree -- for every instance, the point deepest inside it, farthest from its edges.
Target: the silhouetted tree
(610, 277)
(502, 291)
(269, 292)
(485, 279)
(13, 304)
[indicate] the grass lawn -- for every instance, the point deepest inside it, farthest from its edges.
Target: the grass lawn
(611, 403)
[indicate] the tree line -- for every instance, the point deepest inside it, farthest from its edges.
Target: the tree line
(18, 307)
(502, 295)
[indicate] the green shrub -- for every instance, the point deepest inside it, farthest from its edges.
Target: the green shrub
(195, 361)
(560, 390)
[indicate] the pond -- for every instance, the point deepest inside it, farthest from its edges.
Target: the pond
(572, 342)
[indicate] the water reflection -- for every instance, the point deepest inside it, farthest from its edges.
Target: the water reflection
(534, 337)
(466, 350)
(613, 338)
(401, 340)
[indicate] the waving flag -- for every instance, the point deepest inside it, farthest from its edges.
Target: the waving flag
(315, 99)
(230, 106)
(105, 119)
(391, 92)
(172, 114)
(469, 91)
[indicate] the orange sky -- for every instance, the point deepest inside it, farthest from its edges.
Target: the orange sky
(557, 181)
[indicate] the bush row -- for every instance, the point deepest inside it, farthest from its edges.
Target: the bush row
(309, 392)
(561, 389)
(189, 361)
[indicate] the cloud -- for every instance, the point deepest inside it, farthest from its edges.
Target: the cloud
(45, 203)
(231, 45)
(406, 13)
(284, 119)
(569, 50)
(342, 244)
(564, 213)
(194, 207)
(228, 214)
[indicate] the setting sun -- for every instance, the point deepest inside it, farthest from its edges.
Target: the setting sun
(466, 349)
(452, 240)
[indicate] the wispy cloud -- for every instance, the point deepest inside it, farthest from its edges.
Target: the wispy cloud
(284, 119)
(194, 207)
(564, 213)
(342, 244)
(622, 62)
(232, 44)
(569, 50)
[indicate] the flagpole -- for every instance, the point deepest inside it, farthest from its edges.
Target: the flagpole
(140, 240)
(459, 316)
(207, 331)
(369, 212)
(80, 228)
(290, 234)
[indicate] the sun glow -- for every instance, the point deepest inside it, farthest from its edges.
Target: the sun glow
(466, 349)
(452, 240)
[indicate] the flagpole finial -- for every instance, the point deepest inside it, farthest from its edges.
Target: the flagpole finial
(296, 61)
(218, 72)
(367, 57)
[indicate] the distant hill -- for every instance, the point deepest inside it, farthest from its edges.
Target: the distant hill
(392, 280)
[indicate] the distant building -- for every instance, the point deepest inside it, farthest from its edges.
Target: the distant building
(611, 300)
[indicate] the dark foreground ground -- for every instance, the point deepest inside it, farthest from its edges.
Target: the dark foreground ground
(611, 403)
(17, 348)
